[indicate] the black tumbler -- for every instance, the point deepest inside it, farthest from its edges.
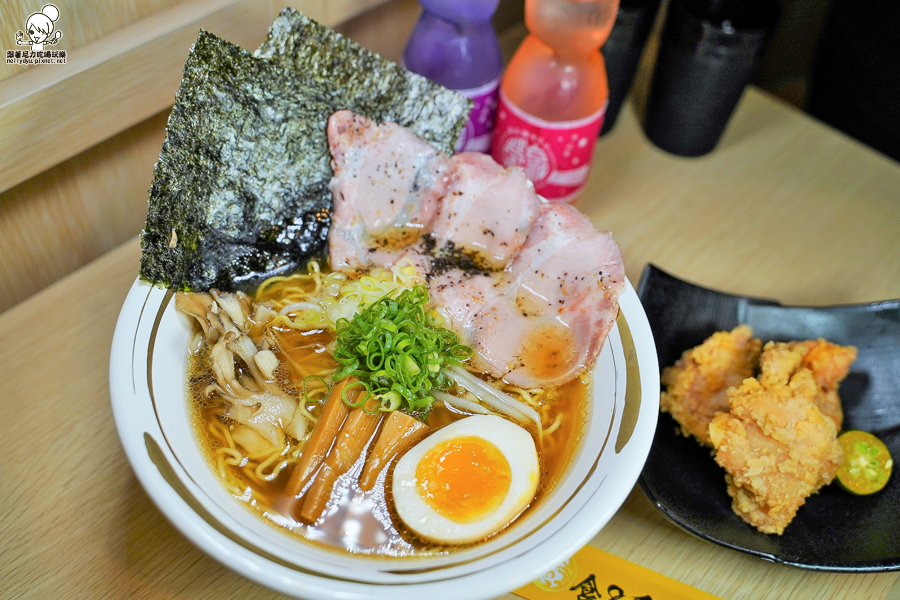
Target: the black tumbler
(622, 51)
(709, 51)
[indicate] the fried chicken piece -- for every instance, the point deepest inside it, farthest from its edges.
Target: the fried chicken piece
(829, 364)
(696, 384)
(776, 445)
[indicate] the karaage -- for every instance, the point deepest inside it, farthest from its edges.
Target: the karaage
(696, 384)
(829, 364)
(775, 445)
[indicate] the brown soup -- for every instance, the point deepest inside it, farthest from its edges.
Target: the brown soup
(354, 520)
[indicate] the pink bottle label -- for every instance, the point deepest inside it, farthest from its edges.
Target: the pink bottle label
(556, 155)
(476, 137)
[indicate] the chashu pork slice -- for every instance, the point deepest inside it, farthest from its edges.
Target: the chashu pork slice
(459, 296)
(387, 185)
(555, 304)
(487, 211)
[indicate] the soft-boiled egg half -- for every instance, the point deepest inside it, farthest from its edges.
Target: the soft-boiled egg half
(467, 480)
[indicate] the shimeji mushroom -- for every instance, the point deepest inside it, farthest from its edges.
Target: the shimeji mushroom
(245, 368)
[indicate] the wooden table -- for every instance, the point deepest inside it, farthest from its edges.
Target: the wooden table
(784, 208)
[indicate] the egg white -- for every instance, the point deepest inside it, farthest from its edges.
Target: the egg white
(516, 445)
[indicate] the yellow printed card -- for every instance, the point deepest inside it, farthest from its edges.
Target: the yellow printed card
(593, 574)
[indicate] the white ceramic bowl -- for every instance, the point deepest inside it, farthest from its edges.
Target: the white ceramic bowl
(147, 385)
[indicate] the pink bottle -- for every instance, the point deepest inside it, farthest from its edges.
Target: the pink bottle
(554, 93)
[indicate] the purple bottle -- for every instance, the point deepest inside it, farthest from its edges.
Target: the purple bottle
(454, 44)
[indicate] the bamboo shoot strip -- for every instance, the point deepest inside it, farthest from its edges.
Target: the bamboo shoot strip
(357, 430)
(399, 433)
(321, 438)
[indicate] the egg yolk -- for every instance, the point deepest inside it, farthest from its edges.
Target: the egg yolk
(464, 478)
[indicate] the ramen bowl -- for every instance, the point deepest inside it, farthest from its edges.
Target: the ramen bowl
(148, 365)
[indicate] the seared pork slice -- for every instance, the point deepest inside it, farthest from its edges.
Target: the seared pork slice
(459, 296)
(386, 185)
(552, 319)
(415, 257)
(487, 211)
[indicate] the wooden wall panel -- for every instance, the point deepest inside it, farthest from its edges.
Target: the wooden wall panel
(67, 216)
(115, 82)
(384, 29)
(123, 78)
(80, 21)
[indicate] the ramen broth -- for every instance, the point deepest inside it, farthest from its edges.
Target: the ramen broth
(355, 521)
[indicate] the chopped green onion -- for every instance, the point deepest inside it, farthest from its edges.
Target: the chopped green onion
(396, 354)
(304, 393)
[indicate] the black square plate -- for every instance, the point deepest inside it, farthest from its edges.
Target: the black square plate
(834, 530)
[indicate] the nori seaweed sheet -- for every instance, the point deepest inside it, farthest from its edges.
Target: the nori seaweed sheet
(350, 76)
(242, 178)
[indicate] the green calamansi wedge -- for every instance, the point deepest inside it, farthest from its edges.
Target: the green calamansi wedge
(867, 463)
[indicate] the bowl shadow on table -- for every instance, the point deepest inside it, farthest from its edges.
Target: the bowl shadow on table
(834, 530)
